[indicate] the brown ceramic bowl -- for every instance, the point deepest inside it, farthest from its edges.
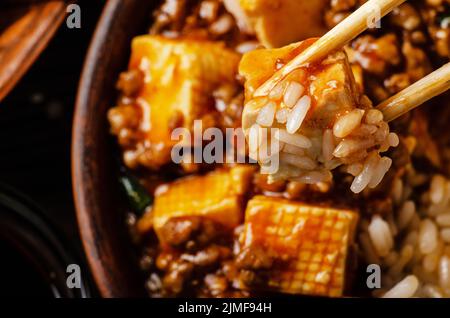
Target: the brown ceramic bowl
(94, 172)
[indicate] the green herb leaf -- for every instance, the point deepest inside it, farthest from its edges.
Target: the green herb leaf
(137, 195)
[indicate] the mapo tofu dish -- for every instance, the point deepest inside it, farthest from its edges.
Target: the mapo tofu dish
(240, 189)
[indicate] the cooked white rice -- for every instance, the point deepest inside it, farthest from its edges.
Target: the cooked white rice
(415, 259)
(354, 141)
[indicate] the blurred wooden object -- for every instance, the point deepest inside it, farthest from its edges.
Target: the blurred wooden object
(25, 30)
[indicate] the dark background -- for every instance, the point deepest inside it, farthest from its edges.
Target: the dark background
(36, 124)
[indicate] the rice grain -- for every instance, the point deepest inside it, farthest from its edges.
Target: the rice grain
(437, 189)
(404, 289)
(363, 179)
(406, 214)
(298, 114)
(277, 92)
(315, 177)
(355, 169)
(293, 139)
(443, 219)
(304, 163)
(430, 262)
(347, 123)
(393, 140)
(349, 146)
(282, 115)
(327, 145)
(384, 164)
(266, 114)
(406, 255)
(428, 236)
(445, 235)
(381, 236)
(444, 272)
(397, 190)
(431, 291)
(373, 117)
(369, 250)
(292, 93)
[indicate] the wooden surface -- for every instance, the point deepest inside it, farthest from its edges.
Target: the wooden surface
(25, 30)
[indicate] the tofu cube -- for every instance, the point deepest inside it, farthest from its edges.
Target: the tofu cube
(334, 90)
(217, 196)
(279, 22)
(180, 76)
(309, 245)
(330, 83)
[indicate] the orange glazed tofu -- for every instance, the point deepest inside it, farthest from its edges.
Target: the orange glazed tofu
(330, 84)
(279, 22)
(217, 195)
(180, 76)
(309, 244)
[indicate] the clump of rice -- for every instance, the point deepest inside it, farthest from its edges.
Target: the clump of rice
(415, 257)
(309, 154)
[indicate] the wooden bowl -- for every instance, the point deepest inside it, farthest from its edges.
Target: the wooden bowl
(25, 30)
(100, 211)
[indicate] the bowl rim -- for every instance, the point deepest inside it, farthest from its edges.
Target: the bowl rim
(87, 232)
(104, 235)
(104, 277)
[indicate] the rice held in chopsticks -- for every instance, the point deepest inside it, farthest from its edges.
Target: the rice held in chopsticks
(319, 111)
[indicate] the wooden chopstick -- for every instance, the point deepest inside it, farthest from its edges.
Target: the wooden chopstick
(335, 39)
(418, 93)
